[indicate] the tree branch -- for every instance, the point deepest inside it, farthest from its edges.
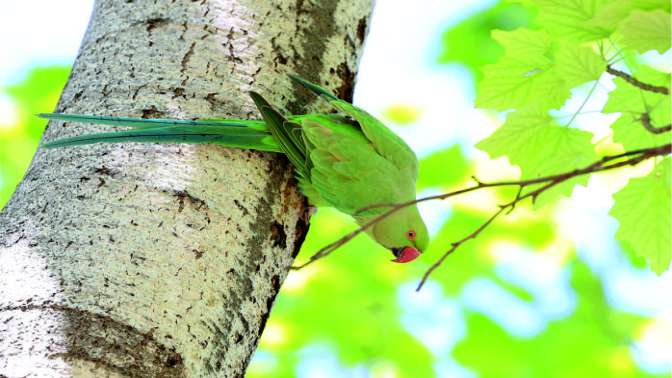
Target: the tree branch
(637, 83)
(646, 121)
(606, 163)
(637, 156)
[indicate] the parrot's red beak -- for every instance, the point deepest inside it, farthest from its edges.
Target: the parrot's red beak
(407, 254)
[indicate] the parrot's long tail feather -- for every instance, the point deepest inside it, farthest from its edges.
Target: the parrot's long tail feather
(142, 123)
(313, 87)
(235, 133)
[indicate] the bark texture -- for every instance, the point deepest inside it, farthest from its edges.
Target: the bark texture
(164, 260)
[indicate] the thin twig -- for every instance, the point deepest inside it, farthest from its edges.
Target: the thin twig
(643, 155)
(637, 83)
(549, 181)
(646, 121)
(454, 246)
(502, 208)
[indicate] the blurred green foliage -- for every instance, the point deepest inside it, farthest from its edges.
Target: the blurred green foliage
(21, 131)
(469, 43)
(592, 342)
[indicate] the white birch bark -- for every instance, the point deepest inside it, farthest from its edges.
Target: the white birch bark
(164, 260)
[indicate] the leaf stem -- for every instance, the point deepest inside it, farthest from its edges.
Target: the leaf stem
(585, 101)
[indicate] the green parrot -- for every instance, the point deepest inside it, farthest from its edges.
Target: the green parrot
(348, 160)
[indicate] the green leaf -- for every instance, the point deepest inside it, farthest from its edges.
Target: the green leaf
(459, 40)
(643, 209)
(510, 85)
(570, 18)
(525, 72)
(535, 72)
(527, 47)
(577, 64)
(532, 141)
(613, 13)
(646, 30)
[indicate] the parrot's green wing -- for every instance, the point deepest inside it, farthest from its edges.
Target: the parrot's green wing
(347, 172)
(387, 143)
(231, 133)
(288, 135)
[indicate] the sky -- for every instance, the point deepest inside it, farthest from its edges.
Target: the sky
(400, 66)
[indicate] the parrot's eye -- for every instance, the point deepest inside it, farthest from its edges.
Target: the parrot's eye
(410, 235)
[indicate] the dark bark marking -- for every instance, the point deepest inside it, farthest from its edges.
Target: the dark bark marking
(347, 88)
(111, 344)
(248, 268)
(301, 229)
(361, 30)
(154, 23)
(179, 92)
(278, 235)
(184, 196)
(104, 171)
(198, 253)
(152, 112)
(241, 207)
(309, 66)
(187, 57)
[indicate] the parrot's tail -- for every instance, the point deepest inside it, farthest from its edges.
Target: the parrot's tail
(248, 134)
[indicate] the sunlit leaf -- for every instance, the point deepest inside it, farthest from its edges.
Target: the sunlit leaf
(611, 14)
(643, 208)
(534, 72)
(459, 40)
(578, 64)
(532, 141)
(570, 18)
(647, 30)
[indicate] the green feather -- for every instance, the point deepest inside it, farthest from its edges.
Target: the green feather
(153, 122)
(313, 87)
(230, 137)
(283, 131)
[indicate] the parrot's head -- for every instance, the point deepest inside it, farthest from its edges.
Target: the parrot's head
(404, 233)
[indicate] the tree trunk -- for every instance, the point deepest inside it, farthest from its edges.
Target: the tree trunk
(164, 260)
